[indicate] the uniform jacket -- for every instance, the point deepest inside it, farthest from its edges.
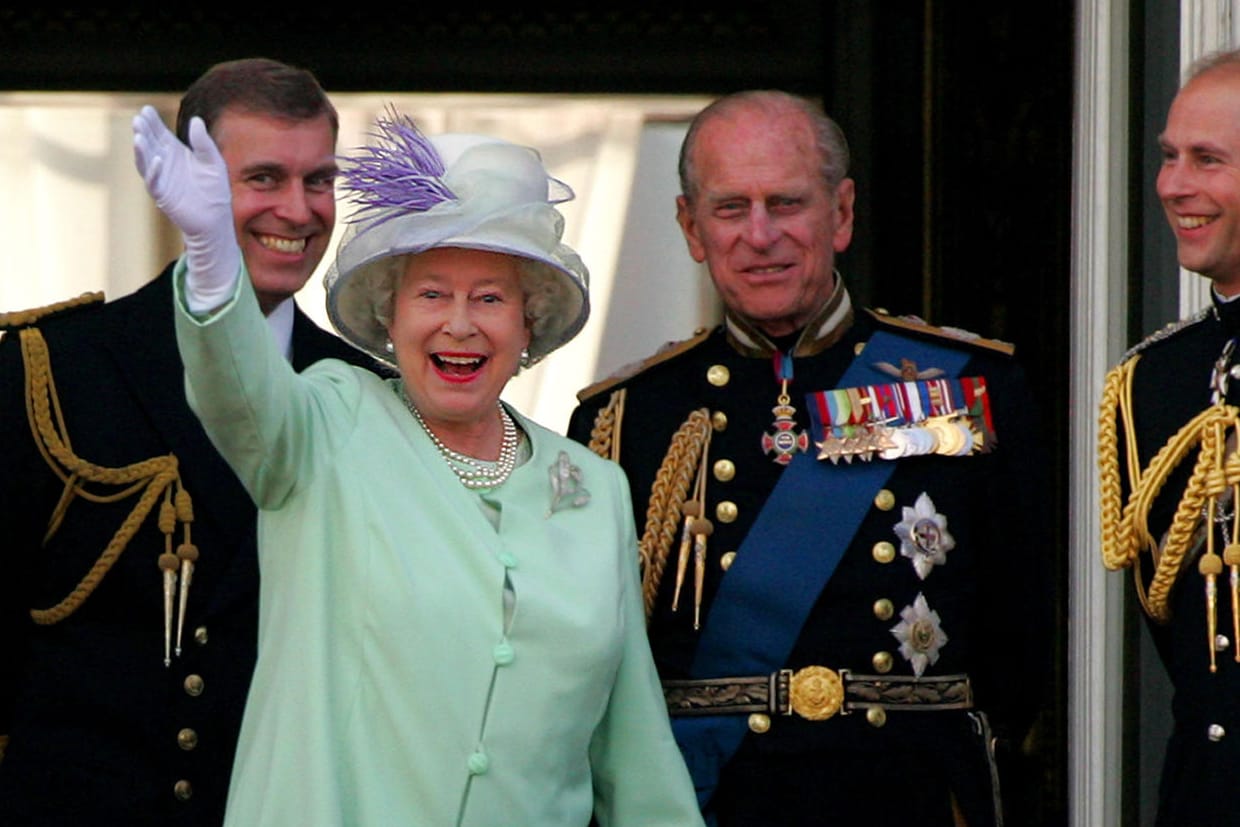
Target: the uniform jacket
(846, 769)
(102, 732)
(1171, 385)
(418, 663)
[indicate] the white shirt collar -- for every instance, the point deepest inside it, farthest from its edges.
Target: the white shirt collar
(280, 321)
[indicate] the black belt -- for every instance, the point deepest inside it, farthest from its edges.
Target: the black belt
(816, 693)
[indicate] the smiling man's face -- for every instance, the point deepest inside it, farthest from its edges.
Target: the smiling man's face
(764, 219)
(282, 173)
(1199, 181)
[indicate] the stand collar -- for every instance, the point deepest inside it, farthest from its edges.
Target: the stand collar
(824, 329)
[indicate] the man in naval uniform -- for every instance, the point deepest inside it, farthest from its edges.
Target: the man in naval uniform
(1168, 462)
(128, 572)
(838, 510)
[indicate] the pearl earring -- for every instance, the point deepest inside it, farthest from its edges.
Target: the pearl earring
(389, 347)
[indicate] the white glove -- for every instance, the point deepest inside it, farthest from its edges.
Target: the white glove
(191, 188)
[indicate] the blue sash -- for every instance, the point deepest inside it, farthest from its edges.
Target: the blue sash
(785, 561)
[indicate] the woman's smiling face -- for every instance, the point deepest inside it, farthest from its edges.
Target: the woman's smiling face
(458, 328)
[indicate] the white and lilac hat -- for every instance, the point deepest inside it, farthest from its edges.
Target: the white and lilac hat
(452, 190)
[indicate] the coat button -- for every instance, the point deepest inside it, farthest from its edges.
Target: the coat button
(726, 512)
(718, 375)
(193, 685)
(503, 653)
(725, 560)
(882, 662)
(479, 763)
(183, 790)
(200, 636)
(884, 609)
(719, 421)
(759, 723)
(883, 551)
(884, 500)
(876, 716)
(1215, 732)
(725, 470)
(508, 560)
(187, 739)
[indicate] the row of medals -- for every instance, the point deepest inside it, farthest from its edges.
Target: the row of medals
(954, 435)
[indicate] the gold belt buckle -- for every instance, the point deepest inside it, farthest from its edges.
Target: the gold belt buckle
(815, 692)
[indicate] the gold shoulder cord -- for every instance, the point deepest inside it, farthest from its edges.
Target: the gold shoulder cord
(670, 503)
(605, 435)
(1125, 533)
(153, 477)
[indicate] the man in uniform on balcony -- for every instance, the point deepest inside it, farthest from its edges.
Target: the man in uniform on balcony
(838, 512)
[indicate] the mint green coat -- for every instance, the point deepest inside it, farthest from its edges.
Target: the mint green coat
(419, 665)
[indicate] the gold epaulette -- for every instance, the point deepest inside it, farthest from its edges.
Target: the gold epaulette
(664, 353)
(913, 324)
(25, 318)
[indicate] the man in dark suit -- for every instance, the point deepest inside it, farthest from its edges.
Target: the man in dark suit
(838, 510)
(128, 575)
(1168, 457)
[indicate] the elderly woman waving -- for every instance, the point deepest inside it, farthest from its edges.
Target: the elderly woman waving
(451, 629)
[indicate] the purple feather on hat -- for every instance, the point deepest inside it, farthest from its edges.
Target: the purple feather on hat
(400, 173)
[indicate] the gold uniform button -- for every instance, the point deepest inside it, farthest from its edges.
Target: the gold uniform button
(718, 375)
(193, 685)
(200, 636)
(187, 739)
(725, 561)
(857, 348)
(883, 609)
(884, 500)
(882, 662)
(876, 716)
(759, 722)
(183, 790)
(719, 421)
(883, 551)
(724, 470)
(726, 511)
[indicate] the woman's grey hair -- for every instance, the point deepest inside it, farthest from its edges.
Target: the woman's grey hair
(546, 295)
(828, 137)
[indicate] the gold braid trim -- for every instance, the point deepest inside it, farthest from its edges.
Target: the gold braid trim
(605, 435)
(1126, 533)
(24, 318)
(154, 477)
(685, 453)
(667, 498)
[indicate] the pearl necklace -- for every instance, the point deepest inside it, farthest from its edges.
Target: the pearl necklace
(471, 471)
